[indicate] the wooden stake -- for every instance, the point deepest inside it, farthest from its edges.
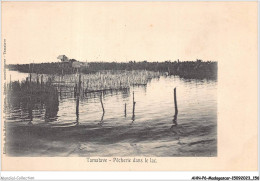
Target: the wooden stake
(10, 82)
(125, 109)
(133, 105)
(102, 119)
(133, 96)
(75, 90)
(30, 83)
(37, 79)
(79, 84)
(41, 80)
(176, 108)
(30, 78)
(102, 103)
(30, 111)
(83, 87)
(77, 108)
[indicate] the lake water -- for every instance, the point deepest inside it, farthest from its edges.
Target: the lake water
(52, 128)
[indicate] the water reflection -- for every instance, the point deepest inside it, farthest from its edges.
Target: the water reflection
(51, 107)
(102, 119)
(125, 110)
(30, 108)
(149, 110)
(133, 119)
(141, 87)
(125, 93)
(44, 107)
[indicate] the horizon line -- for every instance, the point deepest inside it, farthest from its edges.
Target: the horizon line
(130, 61)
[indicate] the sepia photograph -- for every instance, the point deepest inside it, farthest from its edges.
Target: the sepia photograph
(105, 104)
(74, 108)
(128, 82)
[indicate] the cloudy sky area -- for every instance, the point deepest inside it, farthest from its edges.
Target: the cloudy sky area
(98, 31)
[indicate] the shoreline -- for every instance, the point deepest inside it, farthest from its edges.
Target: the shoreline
(188, 69)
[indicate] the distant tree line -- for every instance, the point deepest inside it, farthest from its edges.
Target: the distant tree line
(187, 69)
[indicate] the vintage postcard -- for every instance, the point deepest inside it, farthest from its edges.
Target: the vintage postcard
(129, 86)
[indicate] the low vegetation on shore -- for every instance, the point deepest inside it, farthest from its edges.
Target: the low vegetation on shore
(186, 69)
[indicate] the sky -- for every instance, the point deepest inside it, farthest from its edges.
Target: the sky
(124, 31)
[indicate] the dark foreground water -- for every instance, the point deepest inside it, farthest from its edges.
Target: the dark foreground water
(51, 127)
